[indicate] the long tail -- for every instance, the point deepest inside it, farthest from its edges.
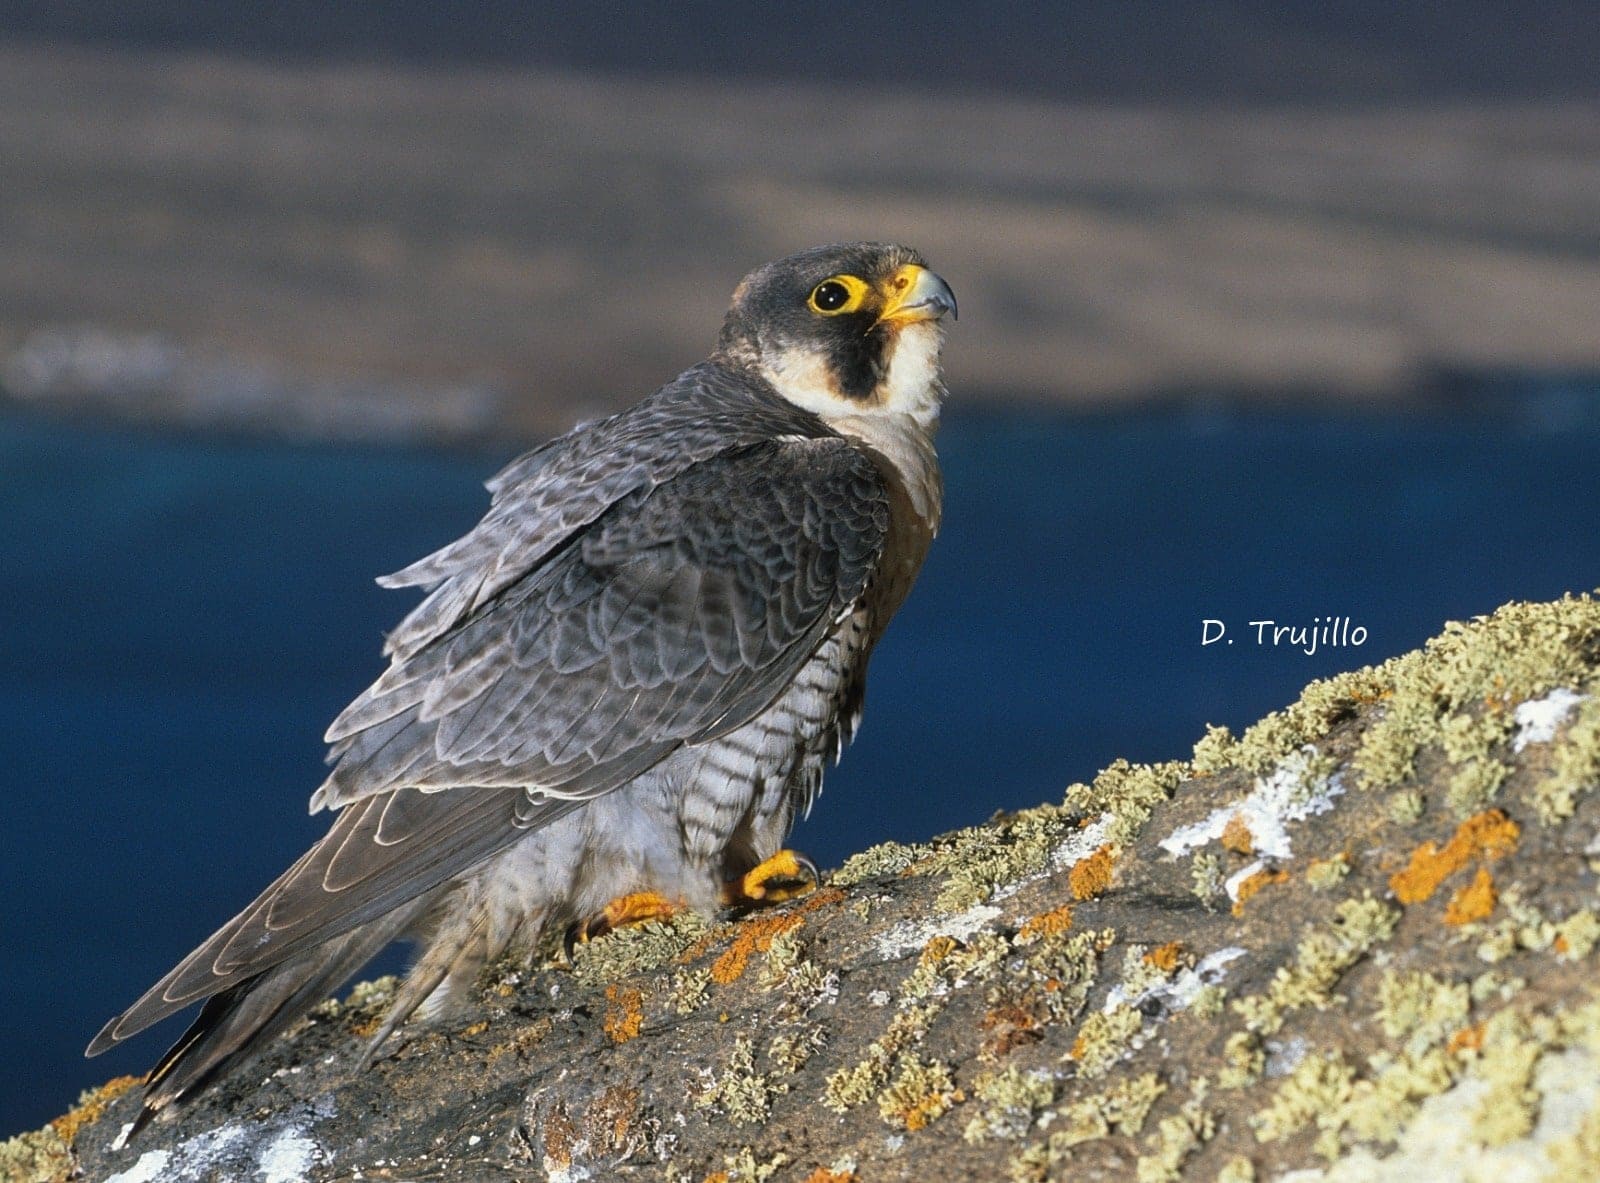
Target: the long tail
(237, 1023)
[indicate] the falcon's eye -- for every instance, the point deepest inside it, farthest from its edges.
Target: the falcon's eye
(842, 293)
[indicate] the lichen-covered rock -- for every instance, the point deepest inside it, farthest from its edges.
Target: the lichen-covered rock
(1357, 942)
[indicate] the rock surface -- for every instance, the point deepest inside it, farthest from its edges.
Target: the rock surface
(1357, 942)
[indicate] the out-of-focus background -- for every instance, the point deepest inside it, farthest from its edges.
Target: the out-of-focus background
(1269, 312)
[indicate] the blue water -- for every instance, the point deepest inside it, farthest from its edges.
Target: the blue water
(179, 619)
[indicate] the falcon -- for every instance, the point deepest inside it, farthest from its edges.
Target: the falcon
(624, 683)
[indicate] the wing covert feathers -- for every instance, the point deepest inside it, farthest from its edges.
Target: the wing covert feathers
(679, 612)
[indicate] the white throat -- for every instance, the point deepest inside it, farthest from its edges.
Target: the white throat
(911, 387)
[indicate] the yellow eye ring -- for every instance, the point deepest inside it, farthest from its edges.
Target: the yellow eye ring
(837, 295)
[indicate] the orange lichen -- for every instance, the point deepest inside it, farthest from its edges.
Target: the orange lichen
(754, 936)
(717, 1177)
(1236, 836)
(92, 1106)
(824, 1175)
(1468, 1039)
(477, 1028)
(624, 1012)
(1474, 901)
(1560, 944)
(1091, 876)
(1489, 835)
(1047, 924)
(937, 949)
(1255, 883)
(936, 1105)
(1165, 957)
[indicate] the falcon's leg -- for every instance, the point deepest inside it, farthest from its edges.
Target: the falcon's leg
(635, 908)
(786, 875)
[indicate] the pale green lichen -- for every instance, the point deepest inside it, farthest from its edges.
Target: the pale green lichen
(1418, 1011)
(1104, 1038)
(1207, 878)
(982, 859)
(1575, 765)
(1065, 967)
(39, 1156)
(808, 986)
(1121, 1109)
(1458, 693)
(364, 1000)
(1265, 744)
(1314, 1092)
(689, 990)
(1377, 1109)
(1521, 926)
(1324, 955)
(947, 963)
(1213, 751)
(1324, 874)
(875, 862)
(1140, 974)
(1243, 1060)
(1490, 986)
(1009, 1101)
(1512, 1046)
(920, 1093)
(790, 1050)
(1237, 1169)
(784, 955)
(743, 1166)
(1208, 1001)
(1474, 785)
(1407, 805)
(1177, 1138)
(739, 1091)
(852, 1085)
(1128, 793)
(637, 948)
(1577, 935)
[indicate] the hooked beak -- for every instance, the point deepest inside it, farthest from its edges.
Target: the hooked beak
(915, 294)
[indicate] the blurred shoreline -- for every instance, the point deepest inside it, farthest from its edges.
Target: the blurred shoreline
(461, 254)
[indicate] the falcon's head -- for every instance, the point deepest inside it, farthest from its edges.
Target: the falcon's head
(844, 330)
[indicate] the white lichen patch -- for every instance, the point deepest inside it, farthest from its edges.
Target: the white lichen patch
(1179, 992)
(1437, 1143)
(281, 1153)
(910, 935)
(1538, 719)
(1080, 844)
(193, 1158)
(289, 1157)
(1290, 793)
(152, 1166)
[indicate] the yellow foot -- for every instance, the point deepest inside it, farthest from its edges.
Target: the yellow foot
(785, 876)
(634, 908)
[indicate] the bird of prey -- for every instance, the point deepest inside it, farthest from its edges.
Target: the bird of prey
(624, 682)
